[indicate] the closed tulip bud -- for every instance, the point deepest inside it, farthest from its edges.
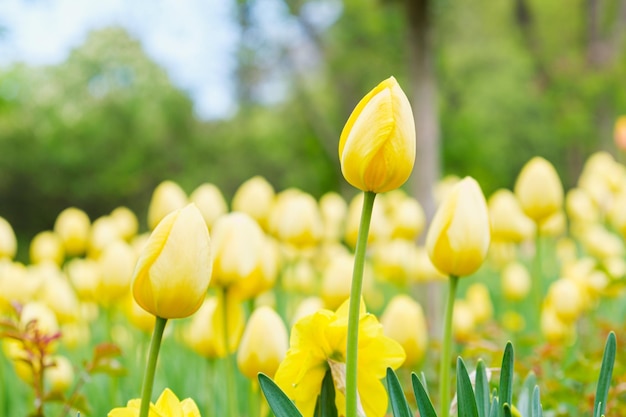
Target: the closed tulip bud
(84, 274)
(116, 264)
(539, 189)
(137, 316)
(39, 313)
(126, 222)
(393, 260)
(566, 299)
(554, 225)
(458, 238)
(479, 300)
(210, 201)
(377, 144)
(238, 249)
(59, 295)
(307, 307)
(296, 219)
(380, 230)
(407, 219)
(601, 243)
(8, 242)
(60, 376)
(334, 210)
(300, 277)
(403, 320)
(104, 231)
(263, 345)
(516, 281)
(265, 276)
(167, 197)
(620, 133)
(463, 321)
(255, 197)
(337, 281)
(46, 246)
(580, 207)
(72, 227)
(508, 221)
(17, 283)
(556, 330)
(174, 270)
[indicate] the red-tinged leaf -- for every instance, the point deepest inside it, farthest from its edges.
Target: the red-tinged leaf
(110, 367)
(106, 350)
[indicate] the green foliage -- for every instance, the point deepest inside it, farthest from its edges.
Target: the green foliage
(280, 404)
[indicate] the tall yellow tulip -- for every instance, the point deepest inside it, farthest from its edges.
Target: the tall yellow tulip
(459, 236)
(377, 144)
(539, 189)
(174, 269)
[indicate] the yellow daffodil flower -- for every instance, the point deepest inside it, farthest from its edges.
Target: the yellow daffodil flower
(377, 144)
(168, 405)
(318, 344)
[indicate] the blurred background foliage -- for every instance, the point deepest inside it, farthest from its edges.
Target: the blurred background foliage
(513, 80)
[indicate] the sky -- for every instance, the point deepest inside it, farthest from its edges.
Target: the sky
(194, 40)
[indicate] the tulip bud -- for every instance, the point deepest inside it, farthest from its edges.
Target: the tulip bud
(72, 227)
(479, 300)
(46, 246)
(39, 313)
(8, 242)
(463, 321)
(333, 209)
(263, 344)
(126, 222)
(167, 197)
(337, 281)
(516, 281)
(116, 265)
(458, 238)
(59, 376)
(580, 207)
(377, 144)
(174, 269)
(566, 299)
(508, 221)
(393, 260)
(296, 219)
(404, 321)
(210, 202)
(104, 231)
(407, 218)
(84, 274)
(307, 307)
(539, 189)
(255, 197)
(380, 229)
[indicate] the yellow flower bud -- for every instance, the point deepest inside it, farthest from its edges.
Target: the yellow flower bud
(516, 281)
(458, 238)
(403, 320)
(84, 274)
(17, 283)
(210, 202)
(479, 300)
(508, 221)
(380, 230)
(333, 209)
(39, 313)
(58, 294)
(407, 218)
(46, 246)
(463, 321)
(255, 197)
(554, 329)
(554, 225)
(296, 219)
(307, 307)
(8, 242)
(126, 222)
(299, 276)
(393, 261)
(566, 299)
(539, 189)
(263, 344)
(167, 197)
(60, 376)
(174, 269)
(72, 227)
(337, 281)
(104, 230)
(116, 265)
(238, 249)
(137, 316)
(601, 243)
(580, 207)
(377, 144)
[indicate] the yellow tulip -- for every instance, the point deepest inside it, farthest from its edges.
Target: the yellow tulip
(8, 242)
(255, 197)
(263, 345)
(72, 226)
(168, 405)
(377, 144)
(167, 197)
(47, 246)
(174, 269)
(458, 238)
(84, 274)
(479, 300)
(539, 189)
(60, 375)
(403, 320)
(116, 265)
(516, 281)
(333, 209)
(296, 219)
(210, 202)
(126, 222)
(508, 221)
(406, 216)
(463, 321)
(104, 230)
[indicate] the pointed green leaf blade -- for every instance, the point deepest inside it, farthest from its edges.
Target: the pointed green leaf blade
(424, 405)
(506, 376)
(494, 410)
(325, 406)
(606, 371)
(525, 397)
(280, 404)
(482, 390)
(399, 404)
(536, 409)
(466, 401)
(506, 410)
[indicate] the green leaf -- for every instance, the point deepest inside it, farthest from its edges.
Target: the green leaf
(424, 405)
(506, 410)
(280, 404)
(536, 409)
(494, 410)
(606, 371)
(466, 401)
(399, 404)
(505, 392)
(525, 398)
(482, 389)
(325, 406)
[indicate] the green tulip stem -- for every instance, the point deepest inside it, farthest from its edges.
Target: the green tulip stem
(229, 365)
(355, 304)
(444, 365)
(148, 379)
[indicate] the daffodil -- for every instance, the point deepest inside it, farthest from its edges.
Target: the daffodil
(168, 405)
(318, 345)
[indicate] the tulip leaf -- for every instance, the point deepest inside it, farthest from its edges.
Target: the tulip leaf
(278, 401)
(466, 401)
(424, 405)
(525, 398)
(505, 393)
(494, 410)
(482, 389)
(536, 409)
(604, 380)
(325, 406)
(399, 404)
(506, 410)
